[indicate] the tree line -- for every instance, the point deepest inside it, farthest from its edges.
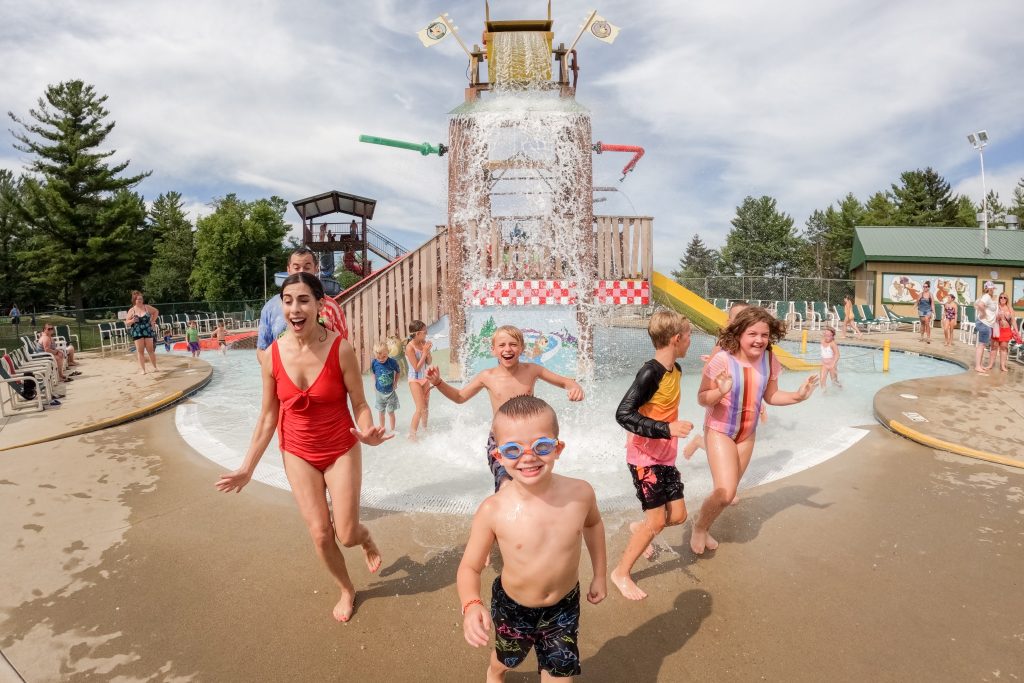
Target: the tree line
(764, 241)
(74, 231)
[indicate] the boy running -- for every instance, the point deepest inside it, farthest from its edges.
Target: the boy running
(650, 412)
(538, 521)
(508, 380)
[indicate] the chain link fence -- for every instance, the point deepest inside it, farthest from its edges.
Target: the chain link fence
(85, 322)
(768, 289)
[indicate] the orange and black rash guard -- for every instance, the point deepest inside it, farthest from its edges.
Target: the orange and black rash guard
(646, 410)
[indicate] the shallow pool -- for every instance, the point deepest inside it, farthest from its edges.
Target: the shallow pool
(446, 471)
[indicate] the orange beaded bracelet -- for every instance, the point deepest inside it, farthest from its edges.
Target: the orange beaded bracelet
(469, 604)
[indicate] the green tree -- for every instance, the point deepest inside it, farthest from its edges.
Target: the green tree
(231, 244)
(966, 212)
(699, 260)
(880, 210)
(995, 208)
(1017, 208)
(77, 204)
(829, 236)
(14, 277)
(762, 241)
(174, 252)
(924, 198)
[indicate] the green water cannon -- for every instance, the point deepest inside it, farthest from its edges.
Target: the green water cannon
(424, 148)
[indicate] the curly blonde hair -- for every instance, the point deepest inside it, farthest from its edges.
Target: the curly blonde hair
(729, 337)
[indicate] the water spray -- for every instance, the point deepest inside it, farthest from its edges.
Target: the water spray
(424, 148)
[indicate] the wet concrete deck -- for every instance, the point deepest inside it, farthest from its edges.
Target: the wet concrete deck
(119, 561)
(967, 413)
(108, 392)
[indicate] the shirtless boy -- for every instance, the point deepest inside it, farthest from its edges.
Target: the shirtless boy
(508, 380)
(538, 521)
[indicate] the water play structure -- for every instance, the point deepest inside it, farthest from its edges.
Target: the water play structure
(520, 233)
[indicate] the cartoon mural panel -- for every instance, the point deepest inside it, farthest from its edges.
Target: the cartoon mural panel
(551, 334)
(906, 288)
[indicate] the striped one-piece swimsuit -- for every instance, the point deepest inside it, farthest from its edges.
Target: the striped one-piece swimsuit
(737, 413)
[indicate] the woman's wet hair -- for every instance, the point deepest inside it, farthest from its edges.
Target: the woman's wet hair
(729, 339)
(311, 281)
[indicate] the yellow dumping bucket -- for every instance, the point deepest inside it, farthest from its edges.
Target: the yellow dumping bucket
(703, 314)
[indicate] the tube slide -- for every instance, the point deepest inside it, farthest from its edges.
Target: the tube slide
(703, 314)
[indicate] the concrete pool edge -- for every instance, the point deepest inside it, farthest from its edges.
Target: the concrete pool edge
(887, 409)
(162, 403)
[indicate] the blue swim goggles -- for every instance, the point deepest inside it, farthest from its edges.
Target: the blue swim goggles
(514, 451)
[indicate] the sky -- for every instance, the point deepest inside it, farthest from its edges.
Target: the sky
(797, 99)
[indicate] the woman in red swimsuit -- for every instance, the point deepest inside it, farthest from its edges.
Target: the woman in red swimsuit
(306, 377)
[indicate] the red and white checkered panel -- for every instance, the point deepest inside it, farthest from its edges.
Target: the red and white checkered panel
(558, 292)
(636, 292)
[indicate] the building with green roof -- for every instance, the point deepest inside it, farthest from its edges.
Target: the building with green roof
(892, 263)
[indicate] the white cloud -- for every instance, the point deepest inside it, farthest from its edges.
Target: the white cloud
(801, 100)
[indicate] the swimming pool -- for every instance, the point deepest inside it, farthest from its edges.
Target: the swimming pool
(446, 470)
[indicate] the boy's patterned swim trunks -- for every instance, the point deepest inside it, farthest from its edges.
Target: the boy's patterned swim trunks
(553, 630)
(656, 485)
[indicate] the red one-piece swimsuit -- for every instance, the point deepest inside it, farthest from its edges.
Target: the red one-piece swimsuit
(314, 424)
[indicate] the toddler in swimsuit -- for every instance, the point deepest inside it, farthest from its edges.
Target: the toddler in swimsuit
(734, 383)
(539, 521)
(829, 358)
(417, 353)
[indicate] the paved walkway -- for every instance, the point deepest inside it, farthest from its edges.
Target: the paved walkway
(108, 392)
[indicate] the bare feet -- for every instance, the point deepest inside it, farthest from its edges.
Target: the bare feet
(649, 550)
(692, 445)
(701, 540)
(627, 586)
(372, 554)
(346, 605)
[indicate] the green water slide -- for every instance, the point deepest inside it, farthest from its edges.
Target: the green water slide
(705, 316)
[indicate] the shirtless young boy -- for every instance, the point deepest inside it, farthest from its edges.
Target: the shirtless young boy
(538, 521)
(508, 380)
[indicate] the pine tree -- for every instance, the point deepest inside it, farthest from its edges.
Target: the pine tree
(77, 204)
(1017, 208)
(829, 236)
(762, 241)
(924, 198)
(698, 261)
(174, 251)
(879, 210)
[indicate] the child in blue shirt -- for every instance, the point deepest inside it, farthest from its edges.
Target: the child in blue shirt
(385, 372)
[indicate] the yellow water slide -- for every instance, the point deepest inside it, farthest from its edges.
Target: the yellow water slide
(704, 315)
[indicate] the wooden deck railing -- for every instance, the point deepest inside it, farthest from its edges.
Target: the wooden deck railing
(387, 301)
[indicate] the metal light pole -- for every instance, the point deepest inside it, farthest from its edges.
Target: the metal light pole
(978, 141)
(264, 278)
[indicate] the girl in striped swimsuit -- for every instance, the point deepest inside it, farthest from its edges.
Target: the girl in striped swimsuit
(735, 381)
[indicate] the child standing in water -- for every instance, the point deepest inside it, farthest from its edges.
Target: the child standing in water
(509, 379)
(539, 521)
(192, 337)
(221, 333)
(417, 354)
(385, 375)
(829, 358)
(650, 412)
(735, 381)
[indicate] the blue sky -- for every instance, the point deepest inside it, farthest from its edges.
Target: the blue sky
(800, 100)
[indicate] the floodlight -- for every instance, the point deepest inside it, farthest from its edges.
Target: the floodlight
(983, 136)
(971, 139)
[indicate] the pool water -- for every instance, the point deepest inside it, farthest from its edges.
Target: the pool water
(446, 470)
